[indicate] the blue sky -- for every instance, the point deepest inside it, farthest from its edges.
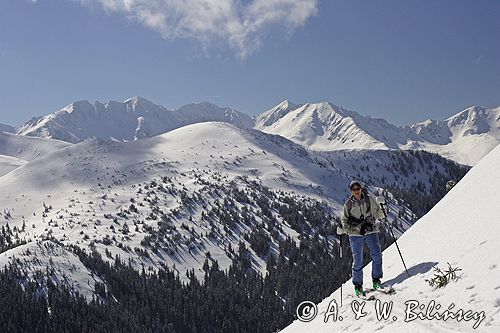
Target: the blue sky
(405, 61)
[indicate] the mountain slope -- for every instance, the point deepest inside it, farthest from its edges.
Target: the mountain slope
(461, 229)
(269, 117)
(324, 126)
(84, 194)
(202, 112)
(464, 137)
(135, 118)
(16, 150)
(7, 128)
(27, 148)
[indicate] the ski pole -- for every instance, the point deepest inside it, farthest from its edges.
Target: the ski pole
(340, 253)
(394, 237)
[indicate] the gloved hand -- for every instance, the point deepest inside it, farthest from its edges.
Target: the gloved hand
(340, 231)
(365, 227)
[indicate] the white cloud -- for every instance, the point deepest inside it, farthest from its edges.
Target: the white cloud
(241, 24)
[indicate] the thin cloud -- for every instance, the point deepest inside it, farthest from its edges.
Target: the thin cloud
(241, 24)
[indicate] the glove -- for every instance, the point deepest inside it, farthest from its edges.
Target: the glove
(340, 231)
(365, 227)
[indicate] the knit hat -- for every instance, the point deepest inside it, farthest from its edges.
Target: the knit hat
(354, 182)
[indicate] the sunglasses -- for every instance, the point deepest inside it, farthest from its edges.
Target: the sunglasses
(356, 189)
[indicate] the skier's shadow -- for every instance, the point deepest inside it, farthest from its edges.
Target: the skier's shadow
(421, 268)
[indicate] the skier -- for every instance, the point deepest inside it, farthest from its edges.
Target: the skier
(359, 221)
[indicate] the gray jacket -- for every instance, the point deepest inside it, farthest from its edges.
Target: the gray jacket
(358, 208)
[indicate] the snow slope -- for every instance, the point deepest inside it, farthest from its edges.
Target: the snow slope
(269, 117)
(465, 137)
(68, 270)
(204, 111)
(324, 126)
(135, 118)
(462, 229)
(8, 163)
(7, 128)
(27, 148)
(16, 150)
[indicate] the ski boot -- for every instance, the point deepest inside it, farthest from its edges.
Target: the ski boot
(376, 284)
(358, 290)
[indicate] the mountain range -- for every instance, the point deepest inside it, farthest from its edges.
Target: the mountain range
(132, 119)
(157, 188)
(465, 137)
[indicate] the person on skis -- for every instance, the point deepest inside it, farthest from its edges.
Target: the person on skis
(359, 222)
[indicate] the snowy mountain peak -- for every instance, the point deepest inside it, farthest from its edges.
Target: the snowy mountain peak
(78, 106)
(269, 117)
(464, 137)
(137, 99)
(326, 126)
(205, 111)
(286, 104)
(201, 104)
(475, 120)
(138, 103)
(199, 107)
(132, 119)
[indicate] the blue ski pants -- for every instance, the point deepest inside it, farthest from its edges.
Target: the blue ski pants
(357, 245)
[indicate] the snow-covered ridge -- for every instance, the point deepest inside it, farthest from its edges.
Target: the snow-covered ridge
(27, 148)
(16, 150)
(461, 229)
(465, 137)
(132, 119)
(325, 126)
(7, 128)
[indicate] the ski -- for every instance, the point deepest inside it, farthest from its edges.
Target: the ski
(364, 297)
(367, 298)
(360, 297)
(384, 290)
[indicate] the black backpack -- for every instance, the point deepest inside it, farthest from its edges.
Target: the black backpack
(368, 203)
